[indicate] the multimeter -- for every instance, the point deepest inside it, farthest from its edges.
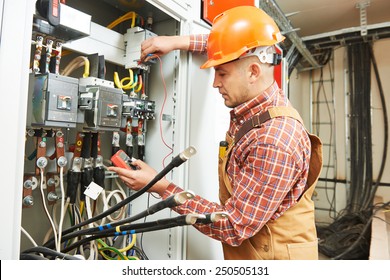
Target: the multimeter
(121, 159)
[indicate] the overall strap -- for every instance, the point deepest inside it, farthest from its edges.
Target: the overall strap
(257, 120)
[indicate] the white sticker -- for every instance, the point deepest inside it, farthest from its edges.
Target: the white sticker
(93, 190)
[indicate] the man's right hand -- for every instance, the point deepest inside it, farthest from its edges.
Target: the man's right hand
(161, 45)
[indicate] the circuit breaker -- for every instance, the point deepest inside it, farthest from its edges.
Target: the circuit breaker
(53, 101)
(102, 105)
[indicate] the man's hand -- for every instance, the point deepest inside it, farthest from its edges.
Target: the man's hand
(161, 45)
(139, 178)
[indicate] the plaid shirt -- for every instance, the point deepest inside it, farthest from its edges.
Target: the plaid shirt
(198, 43)
(268, 170)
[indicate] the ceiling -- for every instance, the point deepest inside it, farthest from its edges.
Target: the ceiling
(320, 16)
(313, 27)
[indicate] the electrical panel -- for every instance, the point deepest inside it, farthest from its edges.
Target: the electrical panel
(82, 110)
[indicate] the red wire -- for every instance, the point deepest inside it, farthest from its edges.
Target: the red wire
(162, 108)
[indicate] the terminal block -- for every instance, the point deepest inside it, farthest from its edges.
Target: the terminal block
(138, 108)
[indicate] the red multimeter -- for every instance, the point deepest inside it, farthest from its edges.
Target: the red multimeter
(121, 159)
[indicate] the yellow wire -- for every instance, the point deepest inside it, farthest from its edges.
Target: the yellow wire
(130, 78)
(101, 243)
(86, 68)
(131, 244)
(127, 16)
(102, 248)
(120, 83)
(81, 208)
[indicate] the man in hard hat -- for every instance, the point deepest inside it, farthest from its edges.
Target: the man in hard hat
(268, 172)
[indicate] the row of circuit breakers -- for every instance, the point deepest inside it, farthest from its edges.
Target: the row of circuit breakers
(62, 101)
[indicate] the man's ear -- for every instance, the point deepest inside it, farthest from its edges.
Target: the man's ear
(255, 71)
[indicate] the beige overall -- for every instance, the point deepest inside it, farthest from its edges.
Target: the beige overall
(293, 235)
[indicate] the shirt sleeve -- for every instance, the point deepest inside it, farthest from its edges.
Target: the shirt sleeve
(198, 43)
(258, 191)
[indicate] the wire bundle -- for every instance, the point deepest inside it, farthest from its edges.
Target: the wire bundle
(348, 237)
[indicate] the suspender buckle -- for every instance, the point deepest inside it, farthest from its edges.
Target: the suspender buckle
(255, 121)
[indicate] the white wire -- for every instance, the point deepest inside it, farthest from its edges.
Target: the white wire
(119, 196)
(62, 215)
(29, 237)
(89, 216)
(46, 210)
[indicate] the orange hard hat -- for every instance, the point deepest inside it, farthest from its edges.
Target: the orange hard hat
(238, 30)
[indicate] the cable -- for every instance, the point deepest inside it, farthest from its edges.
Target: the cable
(163, 106)
(62, 215)
(176, 161)
(29, 237)
(46, 210)
(386, 126)
(75, 64)
(49, 252)
(172, 201)
(182, 220)
(348, 237)
(127, 16)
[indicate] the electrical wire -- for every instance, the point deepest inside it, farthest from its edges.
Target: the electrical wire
(321, 89)
(176, 161)
(49, 253)
(47, 211)
(29, 237)
(348, 237)
(132, 229)
(76, 63)
(163, 107)
(386, 127)
(62, 214)
(129, 15)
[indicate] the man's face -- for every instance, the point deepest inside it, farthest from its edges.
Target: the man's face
(231, 79)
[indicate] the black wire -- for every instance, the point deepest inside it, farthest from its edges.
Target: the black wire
(174, 163)
(110, 234)
(386, 126)
(49, 252)
(348, 237)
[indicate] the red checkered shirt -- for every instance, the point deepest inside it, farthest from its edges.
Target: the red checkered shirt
(198, 42)
(268, 170)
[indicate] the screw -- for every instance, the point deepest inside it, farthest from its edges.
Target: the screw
(62, 161)
(42, 162)
(27, 184)
(52, 196)
(28, 200)
(51, 182)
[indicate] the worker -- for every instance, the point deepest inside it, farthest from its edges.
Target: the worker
(268, 173)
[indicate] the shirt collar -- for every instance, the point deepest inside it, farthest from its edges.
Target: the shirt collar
(256, 105)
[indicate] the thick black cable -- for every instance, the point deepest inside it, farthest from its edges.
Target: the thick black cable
(109, 233)
(386, 128)
(49, 252)
(172, 201)
(176, 161)
(348, 237)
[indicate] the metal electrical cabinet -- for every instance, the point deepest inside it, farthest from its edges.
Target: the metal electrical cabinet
(49, 110)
